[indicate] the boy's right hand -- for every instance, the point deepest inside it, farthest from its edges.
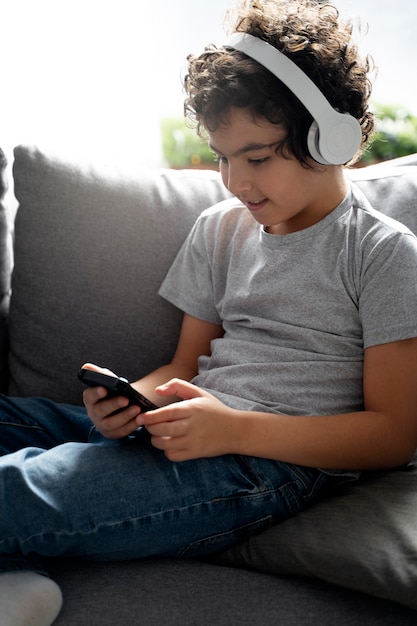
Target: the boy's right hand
(110, 415)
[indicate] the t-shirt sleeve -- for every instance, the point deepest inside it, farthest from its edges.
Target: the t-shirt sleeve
(388, 300)
(188, 284)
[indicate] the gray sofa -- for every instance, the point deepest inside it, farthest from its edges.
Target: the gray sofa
(91, 244)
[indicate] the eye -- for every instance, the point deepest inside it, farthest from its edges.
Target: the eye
(257, 162)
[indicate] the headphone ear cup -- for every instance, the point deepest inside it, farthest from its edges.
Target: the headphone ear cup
(313, 136)
(337, 142)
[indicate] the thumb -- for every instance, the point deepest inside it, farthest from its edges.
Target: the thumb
(96, 368)
(180, 388)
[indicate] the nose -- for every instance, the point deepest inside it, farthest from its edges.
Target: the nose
(237, 180)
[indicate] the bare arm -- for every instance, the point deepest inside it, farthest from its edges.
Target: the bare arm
(194, 340)
(383, 435)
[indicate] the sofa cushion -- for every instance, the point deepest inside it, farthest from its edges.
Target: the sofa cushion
(176, 592)
(391, 188)
(92, 245)
(362, 538)
(5, 268)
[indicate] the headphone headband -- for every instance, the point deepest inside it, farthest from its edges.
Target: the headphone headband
(333, 138)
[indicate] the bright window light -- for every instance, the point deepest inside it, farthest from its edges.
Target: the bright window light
(98, 75)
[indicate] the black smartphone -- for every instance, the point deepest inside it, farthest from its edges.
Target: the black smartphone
(116, 386)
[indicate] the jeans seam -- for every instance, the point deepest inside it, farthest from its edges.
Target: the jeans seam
(211, 539)
(27, 426)
(137, 520)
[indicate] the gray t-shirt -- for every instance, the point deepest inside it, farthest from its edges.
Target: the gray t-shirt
(297, 310)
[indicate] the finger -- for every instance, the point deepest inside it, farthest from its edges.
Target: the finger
(119, 424)
(168, 443)
(101, 406)
(96, 368)
(93, 396)
(181, 388)
(172, 449)
(177, 456)
(115, 431)
(169, 429)
(165, 414)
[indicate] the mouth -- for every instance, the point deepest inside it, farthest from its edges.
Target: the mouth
(256, 205)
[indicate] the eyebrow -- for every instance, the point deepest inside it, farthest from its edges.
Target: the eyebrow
(249, 147)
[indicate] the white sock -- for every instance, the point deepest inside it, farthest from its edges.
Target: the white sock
(28, 599)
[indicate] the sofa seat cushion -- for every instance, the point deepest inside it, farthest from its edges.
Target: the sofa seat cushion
(176, 592)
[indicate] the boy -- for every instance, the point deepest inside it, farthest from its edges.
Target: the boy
(297, 359)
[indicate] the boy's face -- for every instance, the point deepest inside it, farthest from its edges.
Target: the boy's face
(281, 194)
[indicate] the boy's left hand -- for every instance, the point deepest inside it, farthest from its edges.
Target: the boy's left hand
(198, 426)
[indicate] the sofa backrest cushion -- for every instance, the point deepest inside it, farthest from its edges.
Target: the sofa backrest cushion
(391, 188)
(92, 245)
(5, 268)
(362, 537)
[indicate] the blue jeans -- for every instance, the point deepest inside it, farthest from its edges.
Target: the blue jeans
(66, 490)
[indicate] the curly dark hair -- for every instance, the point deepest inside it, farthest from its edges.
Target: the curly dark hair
(314, 37)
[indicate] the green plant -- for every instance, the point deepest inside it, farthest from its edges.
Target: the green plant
(182, 148)
(395, 134)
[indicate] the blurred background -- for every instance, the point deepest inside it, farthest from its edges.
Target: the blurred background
(104, 76)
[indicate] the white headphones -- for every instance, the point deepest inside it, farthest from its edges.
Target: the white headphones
(333, 138)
